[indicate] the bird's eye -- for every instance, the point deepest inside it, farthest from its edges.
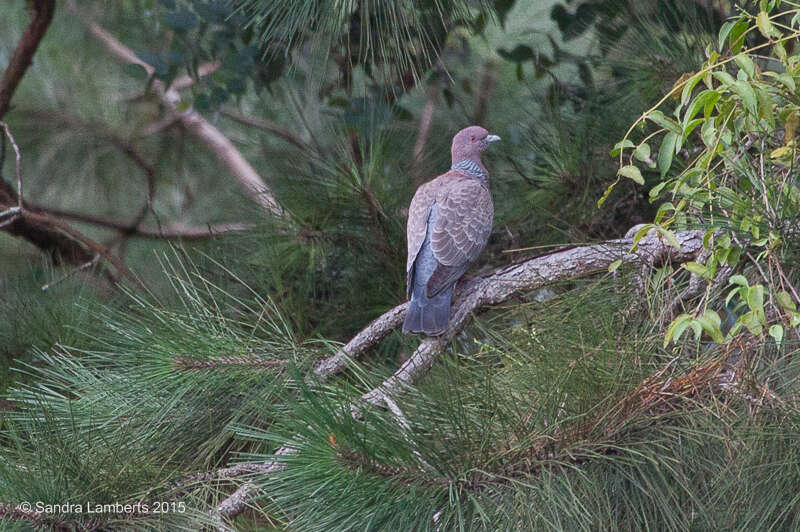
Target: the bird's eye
(473, 138)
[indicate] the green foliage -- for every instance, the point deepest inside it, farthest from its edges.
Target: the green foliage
(541, 426)
(733, 124)
(563, 412)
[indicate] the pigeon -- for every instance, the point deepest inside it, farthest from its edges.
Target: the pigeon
(449, 223)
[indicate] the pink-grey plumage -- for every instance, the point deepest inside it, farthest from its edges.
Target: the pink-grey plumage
(449, 223)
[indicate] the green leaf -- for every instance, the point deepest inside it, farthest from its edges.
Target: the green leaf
(765, 25)
(785, 301)
(776, 331)
(752, 323)
(654, 192)
(689, 87)
(643, 230)
(697, 327)
(755, 298)
(708, 133)
(157, 62)
(723, 77)
(745, 91)
(695, 268)
(664, 121)
(787, 80)
(606, 194)
(746, 64)
(731, 295)
(738, 279)
(135, 71)
(642, 152)
(614, 265)
(723, 33)
(667, 152)
(736, 35)
(710, 322)
(519, 54)
(706, 98)
(669, 236)
(765, 105)
(673, 332)
(621, 145)
(631, 172)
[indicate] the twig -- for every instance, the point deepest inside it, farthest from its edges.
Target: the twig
(43, 235)
(205, 69)
(213, 363)
(373, 333)
(264, 125)
(18, 156)
(175, 231)
(65, 228)
(120, 143)
(72, 272)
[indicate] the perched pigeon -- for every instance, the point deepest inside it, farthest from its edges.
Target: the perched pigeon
(449, 222)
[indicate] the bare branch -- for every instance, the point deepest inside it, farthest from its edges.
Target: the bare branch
(42, 236)
(49, 224)
(18, 156)
(530, 275)
(205, 69)
(77, 236)
(72, 272)
(119, 142)
(233, 159)
(174, 231)
(212, 137)
(373, 333)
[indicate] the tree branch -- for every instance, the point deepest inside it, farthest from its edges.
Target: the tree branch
(96, 247)
(43, 236)
(264, 125)
(175, 231)
(23, 55)
(51, 225)
(490, 290)
(213, 138)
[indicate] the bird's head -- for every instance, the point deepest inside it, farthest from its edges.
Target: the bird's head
(470, 142)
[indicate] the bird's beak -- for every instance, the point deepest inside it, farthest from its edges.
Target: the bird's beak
(492, 138)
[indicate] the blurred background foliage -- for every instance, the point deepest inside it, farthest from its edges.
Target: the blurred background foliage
(543, 414)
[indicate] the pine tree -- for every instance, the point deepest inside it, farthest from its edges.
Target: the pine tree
(245, 167)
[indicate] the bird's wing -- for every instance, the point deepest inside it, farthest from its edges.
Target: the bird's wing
(463, 225)
(417, 225)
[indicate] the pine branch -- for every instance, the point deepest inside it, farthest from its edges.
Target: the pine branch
(490, 290)
(215, 363)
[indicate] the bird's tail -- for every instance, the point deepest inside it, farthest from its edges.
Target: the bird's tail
(429, 315)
